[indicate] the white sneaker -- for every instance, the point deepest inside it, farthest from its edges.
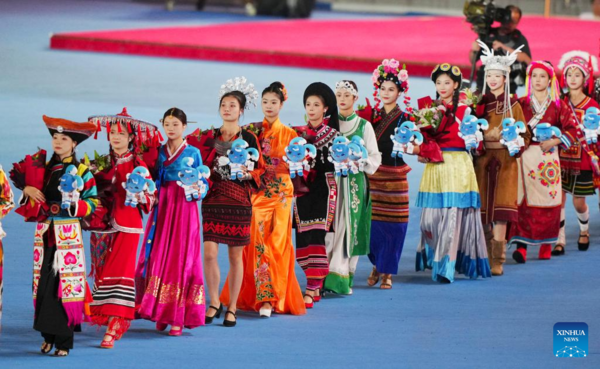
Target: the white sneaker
(265, 312)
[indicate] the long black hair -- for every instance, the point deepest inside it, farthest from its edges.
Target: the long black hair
(456, 76)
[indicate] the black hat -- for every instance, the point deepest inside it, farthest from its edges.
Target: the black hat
(328, 96)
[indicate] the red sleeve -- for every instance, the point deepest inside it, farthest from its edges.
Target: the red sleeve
(149, 196)
(429, 148)
(567, 125)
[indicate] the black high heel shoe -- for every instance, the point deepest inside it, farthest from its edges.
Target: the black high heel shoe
(219, 310)
(558, 250)
(229, 323)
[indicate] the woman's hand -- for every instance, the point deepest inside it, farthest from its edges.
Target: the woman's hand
(423, 160)
(415, 151)
(549, 144)
(34, 193)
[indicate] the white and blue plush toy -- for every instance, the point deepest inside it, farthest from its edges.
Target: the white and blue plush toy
(405, 138)
(296, 154)
(137, 182)
(511, 135)
(471, 131)
(240, 155)
(339, 155)
(358, 154)
(544, 132)
(70, 186)
(591, 125)
(194, 180)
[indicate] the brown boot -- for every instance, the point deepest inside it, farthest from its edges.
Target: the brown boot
(498, 257)
(489, 236)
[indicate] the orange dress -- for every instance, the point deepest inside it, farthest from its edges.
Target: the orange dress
(269, 260)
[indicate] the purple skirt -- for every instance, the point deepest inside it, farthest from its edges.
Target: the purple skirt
(172, 291)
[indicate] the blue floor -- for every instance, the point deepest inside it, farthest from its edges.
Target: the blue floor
(502, 322)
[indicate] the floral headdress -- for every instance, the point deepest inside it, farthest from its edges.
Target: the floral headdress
(554, 88)
(389, 70)
(284, 92)
(240, 84)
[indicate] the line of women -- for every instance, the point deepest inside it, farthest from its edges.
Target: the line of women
(255, 184)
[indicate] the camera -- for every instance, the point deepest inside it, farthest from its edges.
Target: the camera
(482, 15)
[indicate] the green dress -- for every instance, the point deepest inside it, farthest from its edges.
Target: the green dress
(352, 223)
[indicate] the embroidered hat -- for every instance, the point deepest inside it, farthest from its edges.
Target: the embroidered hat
(145, 133)
(78, 132)
(582, 60)
(548, 68)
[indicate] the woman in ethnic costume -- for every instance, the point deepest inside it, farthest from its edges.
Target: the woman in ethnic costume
(388, 185)
(270, 282)
(227, 208)
(317, 190)
(452, 237)
(6, 205)
(352, 222)
(496, 170)
(59, 286)
(169, 281)
(579, 164)
(540, 189)
(114, 271)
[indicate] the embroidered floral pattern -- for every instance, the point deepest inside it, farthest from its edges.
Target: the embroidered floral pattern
(262, 277)
(549, 172)
(274, 187)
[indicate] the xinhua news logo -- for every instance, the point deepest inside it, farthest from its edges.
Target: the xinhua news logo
(570, 340)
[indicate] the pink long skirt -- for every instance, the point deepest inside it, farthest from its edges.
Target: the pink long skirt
(171, 291)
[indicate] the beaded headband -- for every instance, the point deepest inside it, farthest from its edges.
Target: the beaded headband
(345, 85)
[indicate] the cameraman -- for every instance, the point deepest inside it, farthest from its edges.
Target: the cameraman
(506, 39)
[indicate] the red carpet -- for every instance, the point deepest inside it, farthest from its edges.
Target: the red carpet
(357, 45)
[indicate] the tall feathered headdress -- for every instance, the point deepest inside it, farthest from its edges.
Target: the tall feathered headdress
(240, 84)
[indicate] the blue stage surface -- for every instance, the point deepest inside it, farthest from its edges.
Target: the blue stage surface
(503, 322)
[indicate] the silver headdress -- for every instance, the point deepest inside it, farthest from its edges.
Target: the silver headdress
(498, 62)
(501, 63)
(240, 84)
